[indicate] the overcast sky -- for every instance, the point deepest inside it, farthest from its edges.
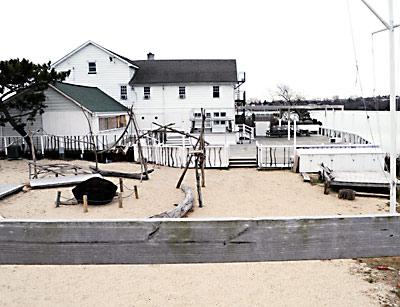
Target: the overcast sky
(306, 44)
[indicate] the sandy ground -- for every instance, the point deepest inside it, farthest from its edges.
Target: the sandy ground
(229, 193)
(310, 283)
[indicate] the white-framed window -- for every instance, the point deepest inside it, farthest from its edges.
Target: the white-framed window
(208, 115)
(215, 91)
(216, 122)
(216, 114)
(124, 92)
(92, 68)
(223, 114)
(197, 114)
(146, 92)
(182, 92)
(112, 122)
(222, 122)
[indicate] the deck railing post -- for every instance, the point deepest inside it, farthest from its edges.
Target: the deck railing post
(5, 146)
(42, 145)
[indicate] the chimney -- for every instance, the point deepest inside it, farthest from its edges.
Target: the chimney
(150, 56)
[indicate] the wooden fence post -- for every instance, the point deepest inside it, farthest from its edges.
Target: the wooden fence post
(85, 204)
(120, 200)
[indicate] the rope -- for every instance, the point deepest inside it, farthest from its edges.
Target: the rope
(97, 201)
(360, 84)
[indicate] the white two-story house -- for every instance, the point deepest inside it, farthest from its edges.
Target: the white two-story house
(175, 91)
(161, 91)
(93, 65)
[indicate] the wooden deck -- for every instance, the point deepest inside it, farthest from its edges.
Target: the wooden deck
(9, 189)
(50, 182)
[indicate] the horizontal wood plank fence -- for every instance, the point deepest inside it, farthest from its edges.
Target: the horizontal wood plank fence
(152, 241)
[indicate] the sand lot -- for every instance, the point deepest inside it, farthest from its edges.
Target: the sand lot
(304, 283)
(228, 193)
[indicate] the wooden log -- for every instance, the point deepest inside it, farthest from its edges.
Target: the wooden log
(121, 184)
(85, 204)
(122, 174)
(135, 189)
(155, 241)
(119, 200)
(183, 207)
(58, 199)
(198, 185)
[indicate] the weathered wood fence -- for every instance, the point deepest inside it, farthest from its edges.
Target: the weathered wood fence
(150, 241)
(176, 156)
(73, 146)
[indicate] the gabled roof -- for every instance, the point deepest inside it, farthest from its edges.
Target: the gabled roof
(122, 58)
(184, 71)
(90, 98)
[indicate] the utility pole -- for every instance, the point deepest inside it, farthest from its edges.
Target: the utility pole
(393, 126)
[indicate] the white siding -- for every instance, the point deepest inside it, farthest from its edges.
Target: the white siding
(165, 103)
(7, 130)
(62, 116)
(65, 123)
(111, 72)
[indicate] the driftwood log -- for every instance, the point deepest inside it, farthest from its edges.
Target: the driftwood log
(122, 174)
(183, 207)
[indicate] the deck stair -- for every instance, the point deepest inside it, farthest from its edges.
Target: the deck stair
(242, 162)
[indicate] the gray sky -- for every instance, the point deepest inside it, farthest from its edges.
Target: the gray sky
(306, 44)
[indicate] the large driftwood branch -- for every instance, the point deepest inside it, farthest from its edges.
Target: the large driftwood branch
(182, 209)
(122, 174)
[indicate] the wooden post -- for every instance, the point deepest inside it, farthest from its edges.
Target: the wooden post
(85, 204)
(121, 185)
(135, 188)
(58, 199)
(33, 154)
(200, 198)
(42, 145)
(5, 146)
(120, 200)
(203, 149)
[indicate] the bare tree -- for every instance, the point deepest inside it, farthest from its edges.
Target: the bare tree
(287, 94)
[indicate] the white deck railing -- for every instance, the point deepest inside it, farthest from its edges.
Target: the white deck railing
(217, 156)
(274, 156)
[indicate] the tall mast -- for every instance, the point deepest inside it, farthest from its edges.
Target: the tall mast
(393, 126)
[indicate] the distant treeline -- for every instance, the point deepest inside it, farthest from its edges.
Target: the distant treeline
(378, 103)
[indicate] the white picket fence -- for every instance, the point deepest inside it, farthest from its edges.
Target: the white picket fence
(274, 156)
(176, 156)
